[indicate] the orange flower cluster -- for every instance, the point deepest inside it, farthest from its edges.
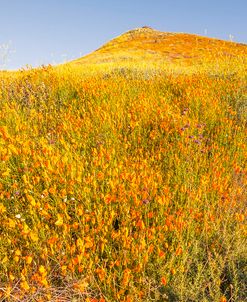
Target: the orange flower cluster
(117, 184)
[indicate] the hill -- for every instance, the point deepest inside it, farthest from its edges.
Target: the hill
(122, 179)
(149, 44)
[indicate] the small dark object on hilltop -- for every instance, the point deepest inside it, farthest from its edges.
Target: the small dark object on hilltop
(147, 27)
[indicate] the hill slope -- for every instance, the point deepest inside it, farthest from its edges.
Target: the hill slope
(153, 45)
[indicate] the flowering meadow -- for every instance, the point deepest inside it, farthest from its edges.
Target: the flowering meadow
(123, 184)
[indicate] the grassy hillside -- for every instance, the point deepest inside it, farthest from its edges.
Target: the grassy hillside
(125, 180)
(164, 47)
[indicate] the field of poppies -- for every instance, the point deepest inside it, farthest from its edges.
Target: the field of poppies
(125, 184)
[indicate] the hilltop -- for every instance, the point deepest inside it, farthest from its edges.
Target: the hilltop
(148, 44)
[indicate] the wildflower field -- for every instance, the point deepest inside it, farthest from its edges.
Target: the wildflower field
(123, 184)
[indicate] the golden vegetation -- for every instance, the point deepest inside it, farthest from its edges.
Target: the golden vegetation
(164, 47)
(125, 182)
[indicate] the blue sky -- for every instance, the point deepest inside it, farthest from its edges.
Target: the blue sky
(51, 31)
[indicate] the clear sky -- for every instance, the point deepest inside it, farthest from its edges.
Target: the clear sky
(51, 31)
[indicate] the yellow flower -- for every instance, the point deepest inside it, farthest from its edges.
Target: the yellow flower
(24, 285)
(59, 221)
(29, 259)
(6, 173)
(31, 200)
(33, 236)
(2, 208)
(42, 269)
